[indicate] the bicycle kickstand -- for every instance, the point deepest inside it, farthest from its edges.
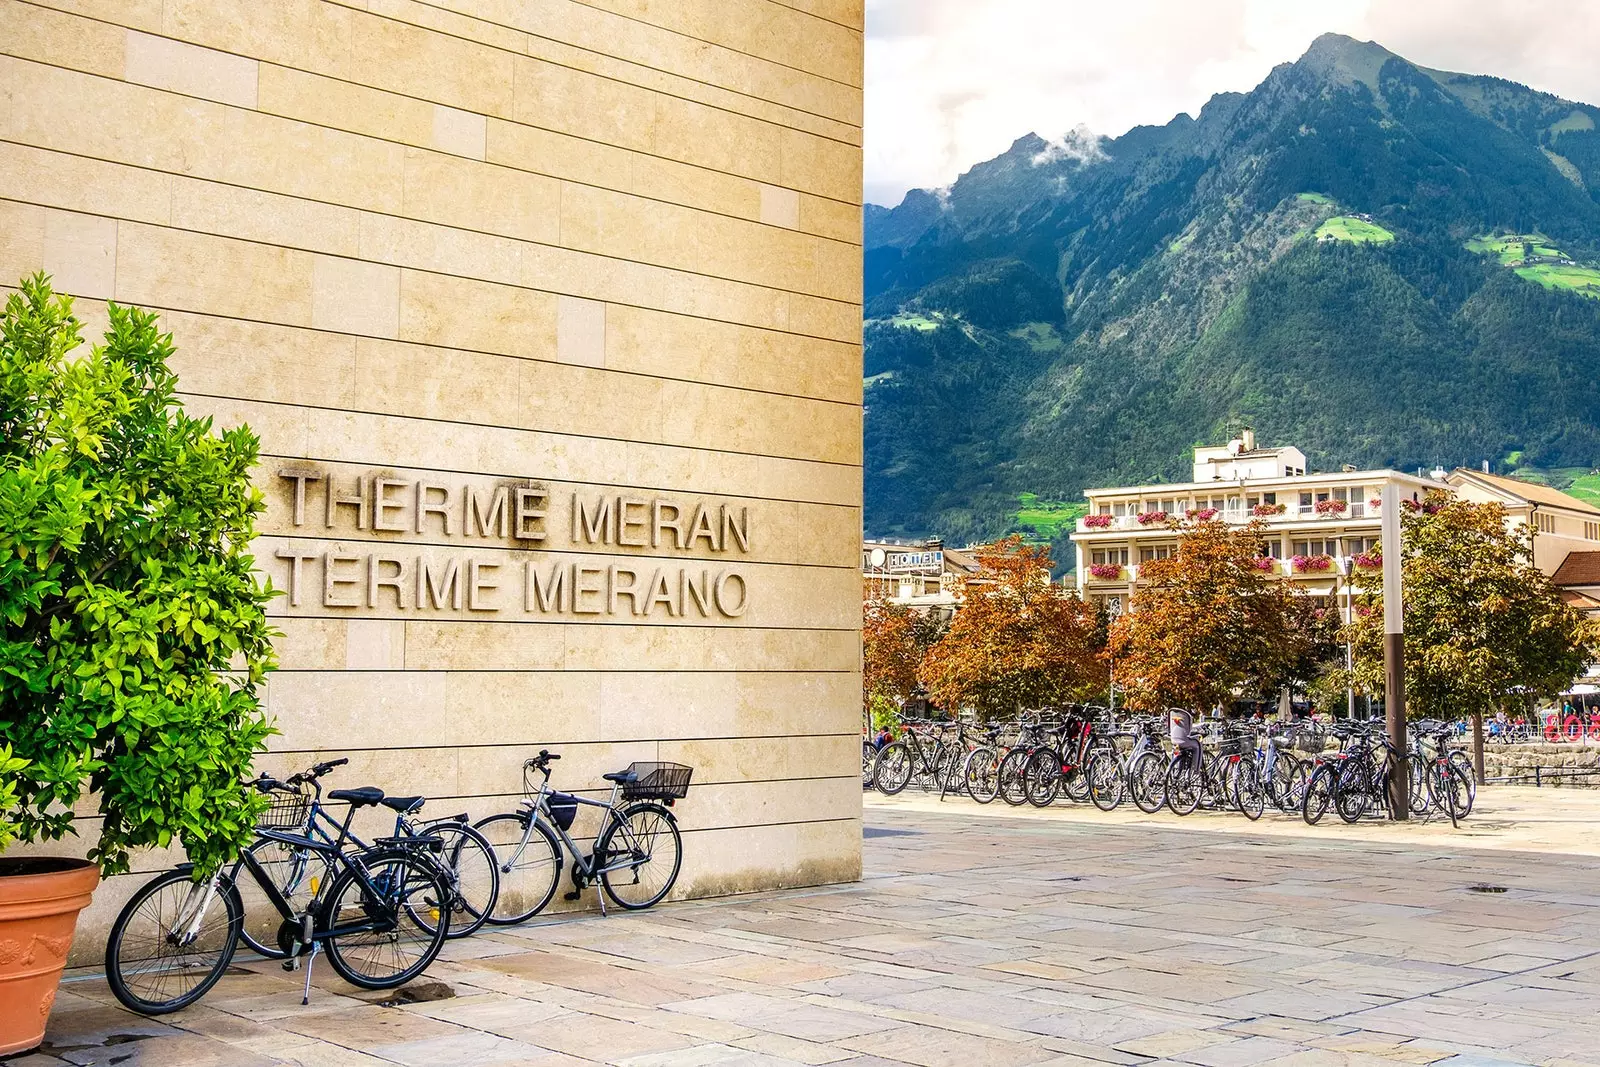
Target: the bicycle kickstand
(310, 959)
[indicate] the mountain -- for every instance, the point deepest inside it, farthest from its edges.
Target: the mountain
(1384, 264)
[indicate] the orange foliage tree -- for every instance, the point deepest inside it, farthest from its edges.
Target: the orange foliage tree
(1018, 642)
(1205, 624)
(893, 641)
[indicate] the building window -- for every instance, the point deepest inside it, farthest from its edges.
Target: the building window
(1109, 555)
(1544, 523)
(1357, 545)
(1273, 548)
(1155, 552)
(1305, 501)
(1591, 531)
(1317, 547)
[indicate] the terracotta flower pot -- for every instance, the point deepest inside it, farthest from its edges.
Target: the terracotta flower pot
(39, 903)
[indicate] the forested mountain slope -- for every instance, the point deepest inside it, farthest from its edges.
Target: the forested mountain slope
(1381, 263)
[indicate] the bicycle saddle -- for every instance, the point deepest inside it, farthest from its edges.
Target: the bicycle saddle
(623, 777)
(367, 794)
(403, 805)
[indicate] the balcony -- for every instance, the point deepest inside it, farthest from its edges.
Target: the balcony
(1263, 513)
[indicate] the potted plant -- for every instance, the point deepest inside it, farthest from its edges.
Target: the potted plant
(1096, 522)
(1201, 514)
(1367, 561)
(1311, 564)
(1265, 564)
(1262, 511)
(135, 633)
(1106, 572)
(1330, 507)
(1148, 518)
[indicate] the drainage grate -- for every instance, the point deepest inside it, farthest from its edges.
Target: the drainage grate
(1486, 889)
(882, 831)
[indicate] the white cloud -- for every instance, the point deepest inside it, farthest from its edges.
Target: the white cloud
(954, 82)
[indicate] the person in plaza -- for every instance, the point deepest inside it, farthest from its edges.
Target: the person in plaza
(1572, 726)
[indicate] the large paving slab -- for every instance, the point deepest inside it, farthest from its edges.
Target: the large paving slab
(995, 936)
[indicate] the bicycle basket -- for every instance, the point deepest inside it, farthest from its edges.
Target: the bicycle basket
(285, 811)
(1231, 744)
(563, 809)
(657, 781)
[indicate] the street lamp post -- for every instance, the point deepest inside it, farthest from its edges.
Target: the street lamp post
(1394, 646)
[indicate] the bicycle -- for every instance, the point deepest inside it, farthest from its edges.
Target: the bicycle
(381, 919)
(1062, 768)
(636, 857)
(1147, 765)
(917, 754)
(466, 861)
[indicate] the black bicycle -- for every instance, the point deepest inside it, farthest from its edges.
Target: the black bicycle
(466, 860)
(381, 918)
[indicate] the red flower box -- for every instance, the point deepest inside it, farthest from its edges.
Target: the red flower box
(1311, 564)
(1368, 561)
(1264, 563)
(1108, 571)
(1096, 522)
(1147, 518)
(1264, 510)
(1331, 507)
(1201, 514)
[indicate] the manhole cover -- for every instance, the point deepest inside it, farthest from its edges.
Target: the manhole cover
(1486, 889)
(881, 831)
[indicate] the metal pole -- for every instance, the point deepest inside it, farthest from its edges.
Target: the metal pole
(1394, 652)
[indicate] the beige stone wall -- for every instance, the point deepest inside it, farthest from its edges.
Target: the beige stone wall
(606, 249)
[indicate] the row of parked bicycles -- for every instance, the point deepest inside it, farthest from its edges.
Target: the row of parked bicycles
(1083, 754)
(381, 910)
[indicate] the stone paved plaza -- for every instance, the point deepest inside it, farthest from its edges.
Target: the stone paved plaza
(996, 936)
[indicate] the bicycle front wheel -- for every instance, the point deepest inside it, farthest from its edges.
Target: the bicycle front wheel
(1041, 776)
(1249, 791)
(290, 869)
(640, 855)
(1147, 781)
(1318, 794)
(394, 922)
(529, 870)
(1012, 785)
(474, 877)
(891, 770)
(162, 956)
(982, 775)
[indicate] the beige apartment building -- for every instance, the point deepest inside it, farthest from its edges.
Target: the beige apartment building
(548, 316)
(1318, 527)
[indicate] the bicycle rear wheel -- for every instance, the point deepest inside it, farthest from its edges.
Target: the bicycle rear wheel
(402, 920)
(1319, 794)
(529, 873)
(1107, 782)
(1288, 782)
(1147, 782)
(1249, 791)
(152, 964)
(645, 839)
(1184, 786)
(469, 863)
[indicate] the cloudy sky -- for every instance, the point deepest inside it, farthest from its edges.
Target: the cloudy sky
(954, 82)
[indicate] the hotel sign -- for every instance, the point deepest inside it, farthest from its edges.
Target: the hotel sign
(915, 562)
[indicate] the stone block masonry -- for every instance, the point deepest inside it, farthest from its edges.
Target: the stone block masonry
(548, 317)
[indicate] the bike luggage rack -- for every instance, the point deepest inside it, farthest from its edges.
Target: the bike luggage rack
(657, 781)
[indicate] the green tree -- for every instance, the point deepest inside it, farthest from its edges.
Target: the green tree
(134, 632)
(1206, 625)
(1481, 621)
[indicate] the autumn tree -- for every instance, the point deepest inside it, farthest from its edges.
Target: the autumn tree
(1018, 642)
(1481, 621)
(1206, 624)
(894, 638)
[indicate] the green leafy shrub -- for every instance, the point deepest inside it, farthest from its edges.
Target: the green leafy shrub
(134, 631)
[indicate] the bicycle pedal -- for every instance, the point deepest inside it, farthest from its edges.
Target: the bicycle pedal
(573, 895)
(291, 964)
